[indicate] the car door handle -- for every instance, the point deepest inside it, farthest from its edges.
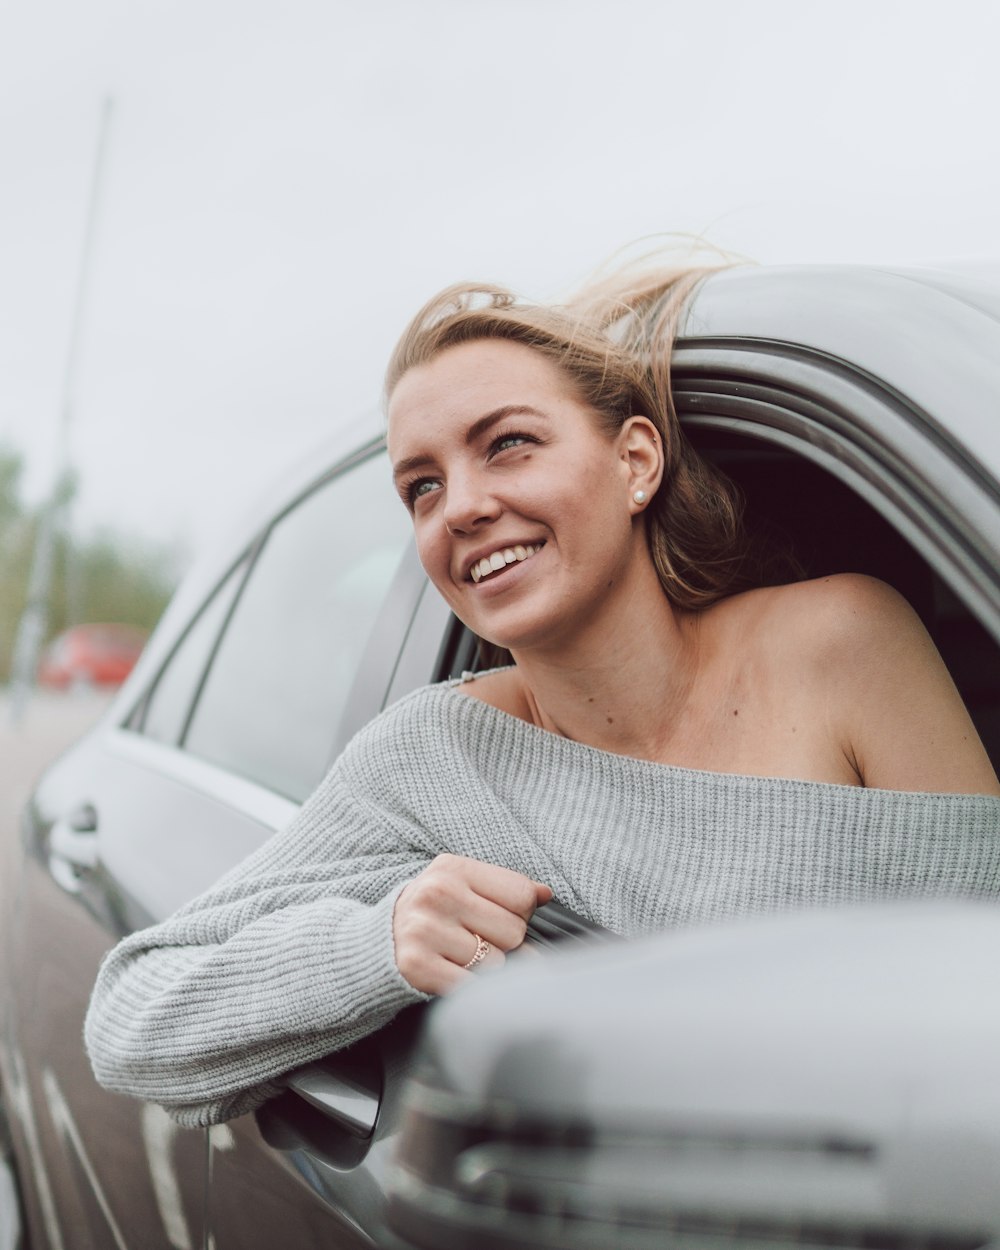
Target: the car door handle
(73, 846)
(353, 1103)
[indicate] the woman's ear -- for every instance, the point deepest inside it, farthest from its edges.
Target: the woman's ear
(642, 458)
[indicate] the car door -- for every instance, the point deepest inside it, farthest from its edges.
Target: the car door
(239, 723)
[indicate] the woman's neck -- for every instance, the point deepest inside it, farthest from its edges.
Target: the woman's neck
(624, 685)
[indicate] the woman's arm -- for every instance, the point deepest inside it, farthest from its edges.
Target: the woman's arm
(306, 945)
(289, 957)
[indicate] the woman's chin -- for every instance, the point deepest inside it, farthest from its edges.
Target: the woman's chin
(535, 617)
(522, 638)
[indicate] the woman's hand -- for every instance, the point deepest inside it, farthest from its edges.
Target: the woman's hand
(440, 913)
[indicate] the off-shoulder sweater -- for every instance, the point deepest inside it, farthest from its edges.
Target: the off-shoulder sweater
(290, 956)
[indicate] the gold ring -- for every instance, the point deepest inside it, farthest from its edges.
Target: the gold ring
(482, 950)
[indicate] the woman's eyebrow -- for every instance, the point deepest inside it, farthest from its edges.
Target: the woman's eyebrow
(478, 428)
(475, 431)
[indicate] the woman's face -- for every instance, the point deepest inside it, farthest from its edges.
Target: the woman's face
(522, 505)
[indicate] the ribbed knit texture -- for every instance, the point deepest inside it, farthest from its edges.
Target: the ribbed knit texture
(290, 956)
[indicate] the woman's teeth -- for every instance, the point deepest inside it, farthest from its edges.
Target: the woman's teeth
(500, 559)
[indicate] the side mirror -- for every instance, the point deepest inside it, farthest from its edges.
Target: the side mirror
(823, 1078)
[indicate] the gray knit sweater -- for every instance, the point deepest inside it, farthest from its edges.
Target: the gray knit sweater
(290, 955)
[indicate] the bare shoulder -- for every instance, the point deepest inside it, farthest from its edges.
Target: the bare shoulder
(849, 638)
(842, 612)
(840, 598)
(811, 622)
(867, 660)
(850, 652)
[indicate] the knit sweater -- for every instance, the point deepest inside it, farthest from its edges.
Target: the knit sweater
(290, 956)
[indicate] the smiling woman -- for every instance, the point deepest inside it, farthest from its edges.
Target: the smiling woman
(677, 740)
(535, 474)
(610, 352)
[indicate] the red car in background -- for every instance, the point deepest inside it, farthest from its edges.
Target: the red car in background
(93, 655)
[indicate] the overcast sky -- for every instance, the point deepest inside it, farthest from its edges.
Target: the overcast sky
(286, 182)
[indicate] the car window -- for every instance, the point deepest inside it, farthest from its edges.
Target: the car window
(166, 710)
(269, 706)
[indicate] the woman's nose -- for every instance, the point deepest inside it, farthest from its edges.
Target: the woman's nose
(468, 504)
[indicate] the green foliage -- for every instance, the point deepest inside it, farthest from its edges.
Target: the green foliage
(99, 579)
(11, 467)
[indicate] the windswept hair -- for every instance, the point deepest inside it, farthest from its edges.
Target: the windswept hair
(614, 340)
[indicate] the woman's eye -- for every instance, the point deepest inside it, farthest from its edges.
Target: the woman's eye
(425, 486)
(506, 441)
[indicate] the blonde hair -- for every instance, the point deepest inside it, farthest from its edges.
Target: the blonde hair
(614, 340)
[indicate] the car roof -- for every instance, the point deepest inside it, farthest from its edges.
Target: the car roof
(931, 335)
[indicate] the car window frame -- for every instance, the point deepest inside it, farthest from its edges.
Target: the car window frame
(880, 443)
(135, 721)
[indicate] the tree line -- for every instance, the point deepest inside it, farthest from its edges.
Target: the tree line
(95, 579)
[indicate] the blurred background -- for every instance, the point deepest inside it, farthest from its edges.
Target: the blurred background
(216, 217)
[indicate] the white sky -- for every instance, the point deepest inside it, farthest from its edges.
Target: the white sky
(287, 181)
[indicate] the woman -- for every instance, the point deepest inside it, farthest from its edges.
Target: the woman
(671, 745)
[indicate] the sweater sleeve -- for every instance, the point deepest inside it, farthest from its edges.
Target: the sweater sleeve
(287, 958)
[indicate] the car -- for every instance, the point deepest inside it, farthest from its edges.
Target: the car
(91, 655)
(856, 408)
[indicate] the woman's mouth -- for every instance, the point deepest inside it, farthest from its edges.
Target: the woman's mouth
(499, 559)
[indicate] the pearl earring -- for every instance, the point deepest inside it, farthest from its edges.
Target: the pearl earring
(639, 496)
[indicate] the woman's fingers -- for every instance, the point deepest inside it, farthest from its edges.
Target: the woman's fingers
(502, 928)
(447, 976)
(446, 882)
(444, 911)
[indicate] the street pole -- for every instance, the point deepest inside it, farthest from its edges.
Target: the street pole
(32, 625)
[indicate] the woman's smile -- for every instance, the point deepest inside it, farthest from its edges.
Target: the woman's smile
(497, 561)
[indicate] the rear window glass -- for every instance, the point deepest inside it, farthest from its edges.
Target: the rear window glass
(169, 705)
(280, 679)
